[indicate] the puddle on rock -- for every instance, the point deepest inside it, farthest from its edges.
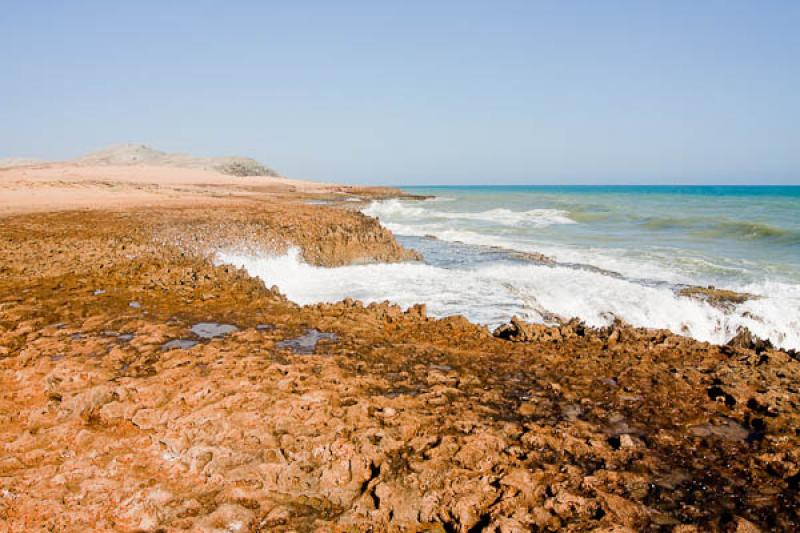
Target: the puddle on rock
(307, 342)
(727, 429)
(571, 411)
(121, 338)
(265, 327)
(404, 391)
(212, 330)
(179, 344)
(135, 305)
(618, 425)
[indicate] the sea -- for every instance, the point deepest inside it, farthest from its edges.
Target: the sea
(617, 252)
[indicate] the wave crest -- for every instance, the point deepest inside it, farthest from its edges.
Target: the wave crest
(492, 293)
(723, 228)
(397, 209)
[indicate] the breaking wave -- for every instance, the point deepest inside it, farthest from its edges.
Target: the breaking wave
(502, 216)
(710, 228)
(491, 294)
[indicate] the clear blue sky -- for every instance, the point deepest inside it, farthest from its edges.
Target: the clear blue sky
(416, 92)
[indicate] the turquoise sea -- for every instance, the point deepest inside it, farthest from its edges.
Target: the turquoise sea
(620, 252)
(705, 234)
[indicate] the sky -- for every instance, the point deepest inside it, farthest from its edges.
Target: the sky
(416, 92)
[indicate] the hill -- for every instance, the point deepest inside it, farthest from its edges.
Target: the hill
(140, 154)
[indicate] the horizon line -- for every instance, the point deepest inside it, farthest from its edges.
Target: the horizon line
(601, 185)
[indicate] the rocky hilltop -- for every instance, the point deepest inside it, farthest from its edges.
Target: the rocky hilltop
(140, 154)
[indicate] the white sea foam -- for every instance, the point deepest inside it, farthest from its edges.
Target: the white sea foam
(607, 259)
(439, 199)
(492, 294)
(399, 209)
(404, 218)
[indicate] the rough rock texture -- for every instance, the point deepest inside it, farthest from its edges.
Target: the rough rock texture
(718, 297)
(402, 423)
(745, 339)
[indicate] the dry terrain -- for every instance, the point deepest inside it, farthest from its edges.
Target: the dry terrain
(145, 388)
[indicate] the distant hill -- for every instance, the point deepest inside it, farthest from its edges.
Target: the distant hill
(140, 154)
(11, 162)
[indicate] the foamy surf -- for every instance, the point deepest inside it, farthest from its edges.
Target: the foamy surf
(604, 259)
(501, 216)
(619, 252)
(491, 294)
(725, 237)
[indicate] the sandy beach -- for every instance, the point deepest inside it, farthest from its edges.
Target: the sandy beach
(146, 387)
(68, 186)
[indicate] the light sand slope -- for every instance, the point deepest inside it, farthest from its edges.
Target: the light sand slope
(62, 186)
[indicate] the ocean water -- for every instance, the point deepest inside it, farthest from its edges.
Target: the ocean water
(619, 252)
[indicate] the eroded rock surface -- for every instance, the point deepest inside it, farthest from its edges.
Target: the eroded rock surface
(405, 423)
(718, 297)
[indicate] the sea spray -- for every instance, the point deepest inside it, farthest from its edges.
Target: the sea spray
(500, 216)
(491, 294)
(618, 252)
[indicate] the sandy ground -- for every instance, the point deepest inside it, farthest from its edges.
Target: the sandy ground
(64, 186)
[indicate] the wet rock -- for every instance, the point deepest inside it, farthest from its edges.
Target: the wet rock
(516, 331)
(179, 344)
(519, 331)
(306, 343)
(745, 339)
(212, 330)
(532, 257)
(419, 311)
(722, 298)
(724, 428)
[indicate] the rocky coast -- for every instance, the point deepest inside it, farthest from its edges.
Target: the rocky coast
(147, 388)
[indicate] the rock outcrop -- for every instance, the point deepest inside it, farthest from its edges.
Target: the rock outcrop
(519, 331)
(396, 421)
(746, 340)
(718, 297)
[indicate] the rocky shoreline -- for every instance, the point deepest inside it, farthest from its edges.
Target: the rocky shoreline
(345, 417)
